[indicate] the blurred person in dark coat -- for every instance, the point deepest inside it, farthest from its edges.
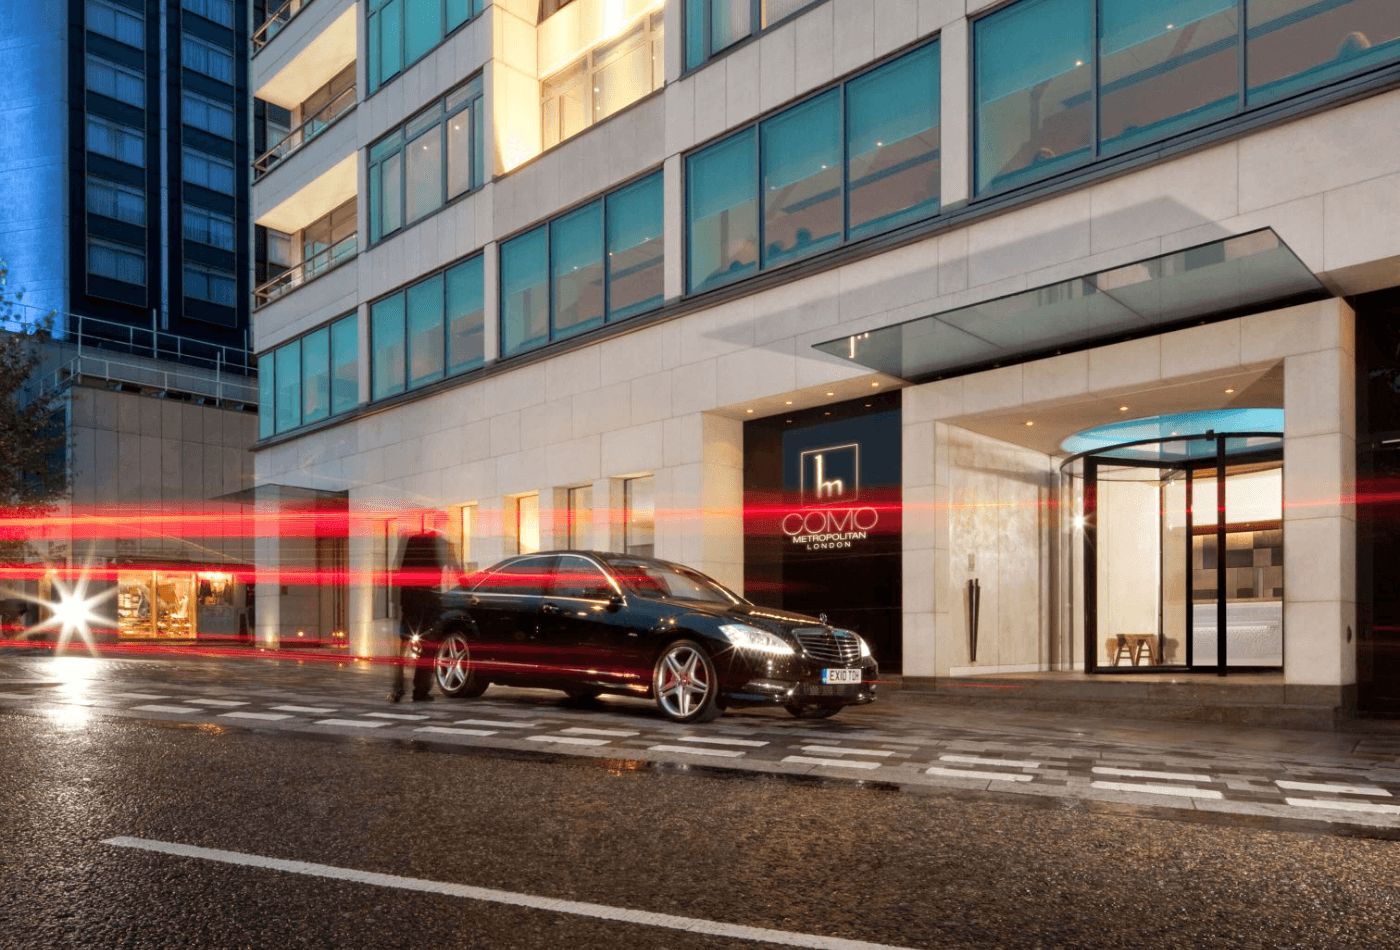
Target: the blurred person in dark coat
(422, 571)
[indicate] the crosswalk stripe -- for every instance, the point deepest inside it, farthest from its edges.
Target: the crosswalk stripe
(1333, 788)
(838, 750)
(315, 710)
(707, 740)
(615, 733)
(978, 760)
(356, 723)
(567, 740)
(1181, 791)
(694, 750)
(1373, 808)
(500, 723)
(168, 709)
(217, 702)
(841, 763)
(978, 775)
(1141, 773)
(451, 731)
(271, 717)
(408, 717)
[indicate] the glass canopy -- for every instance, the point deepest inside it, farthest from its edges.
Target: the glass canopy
(1240, 274)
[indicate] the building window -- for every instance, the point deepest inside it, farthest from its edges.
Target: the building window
(201, 112)
(1059, 83)
(311, 378)
(117, 22)
(854, 160)
(215, 11)
(607, 79)
(433, 158)
(124, 144)
(206, 58)
(115, 82)
(401, 32)
(600, 262)
(207, 171)
(328, 241)
(431, 329)
(117, 261)
(580, 514)
(527, 524)
(208, 227)
(117, 201)
(639, 516)
(466, 525)
(211, 284)
(712, 26)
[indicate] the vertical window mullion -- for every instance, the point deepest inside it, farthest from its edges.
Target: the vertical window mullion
(1242, 66)
(757, 128)
(1094, 123)
(845, 169)
(549, 279)
(607, 261)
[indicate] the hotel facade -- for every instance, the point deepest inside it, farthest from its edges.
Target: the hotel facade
(1033, 337)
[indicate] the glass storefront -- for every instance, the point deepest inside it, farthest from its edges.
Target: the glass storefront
(178, 605)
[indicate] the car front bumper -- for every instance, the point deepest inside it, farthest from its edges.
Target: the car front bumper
(754, 680)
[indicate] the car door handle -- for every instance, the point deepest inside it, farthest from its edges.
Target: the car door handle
(474, 601)
(551, 609)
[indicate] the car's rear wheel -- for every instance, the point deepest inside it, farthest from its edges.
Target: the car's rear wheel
(455, 674)
(812, 712)
(685, 684)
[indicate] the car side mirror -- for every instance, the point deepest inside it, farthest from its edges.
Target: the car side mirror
(616, 601)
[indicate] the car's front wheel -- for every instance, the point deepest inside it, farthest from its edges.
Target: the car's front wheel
(455, 675)
(812, 712)
(685, 684)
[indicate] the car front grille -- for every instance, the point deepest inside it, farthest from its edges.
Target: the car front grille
(829, 646)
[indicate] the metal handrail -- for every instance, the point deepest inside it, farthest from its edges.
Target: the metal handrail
(275, 21)
(108, 335)
(322, 119)
(308, 270)
(220, 384)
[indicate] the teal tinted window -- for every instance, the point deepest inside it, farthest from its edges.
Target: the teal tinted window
(576, 269)
(466, 315)
(1295, 45)
(694, 33)
(730, 22)
(401, 32)
(422, 28)
(345, 365)
(387, 346)
(287, 374)
(1165, 66)
(390, 21)
(893, 140)
(1034, 78)
(425, 354)
(316, 375)
(635, 248)
(722, 202)
(802, 197)
(267, 397)
(525, 291)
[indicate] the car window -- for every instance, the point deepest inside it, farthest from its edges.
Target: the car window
(580, 577)
(670, 582)
(529, 576)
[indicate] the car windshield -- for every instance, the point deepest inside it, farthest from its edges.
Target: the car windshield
(670, 582)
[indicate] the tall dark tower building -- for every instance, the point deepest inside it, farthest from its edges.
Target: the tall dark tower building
(125, 169)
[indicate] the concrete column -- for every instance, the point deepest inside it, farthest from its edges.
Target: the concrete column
(607, 515)
(1319, 518)
(954, 113)
(700, 505)
(673, 225)
(922, 520)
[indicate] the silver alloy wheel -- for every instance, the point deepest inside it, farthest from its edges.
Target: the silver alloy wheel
(452, 660)
(682, 681)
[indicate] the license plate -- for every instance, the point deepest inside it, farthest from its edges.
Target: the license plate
(840, 676)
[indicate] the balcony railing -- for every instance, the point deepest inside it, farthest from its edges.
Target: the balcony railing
(109, 336)
(320, 120)
(275, 21)
(308, 270)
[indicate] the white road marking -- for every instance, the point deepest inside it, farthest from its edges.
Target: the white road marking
(1330, 788)
(1371, 808)
(616, 733)
(138, 696)
(978, 775)
(842, 763)
(567, 740)
(1139, 773)
(450, 731)
(838, 750)
(510, 898)
(357, 723)
(1181, 791)
(410, 717)
(168, 709)
(316, 710)
(692, 750)
(271, 717)
(746, 743)
(497, 722)
(27, 696)
(978, 760)
(216, 702)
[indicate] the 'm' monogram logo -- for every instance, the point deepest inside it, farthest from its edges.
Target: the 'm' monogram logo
(831, 474)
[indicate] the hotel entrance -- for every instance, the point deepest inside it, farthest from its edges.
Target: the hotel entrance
(1174, 546)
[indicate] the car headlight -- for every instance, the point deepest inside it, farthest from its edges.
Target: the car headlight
(865, 653)
(756, 639)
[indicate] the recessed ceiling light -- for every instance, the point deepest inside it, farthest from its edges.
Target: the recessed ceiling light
(869, 405)
(788, 403)
(1122, 408)
(1230, 391)
(827, 413)
(1029, 423)
(831, 394)
(875, 385)
(749, 411)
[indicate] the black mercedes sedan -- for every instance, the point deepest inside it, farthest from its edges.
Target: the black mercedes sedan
(590, 623)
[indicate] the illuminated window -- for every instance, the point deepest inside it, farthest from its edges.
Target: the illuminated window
(580, 515)
(639, 516)
(712, 26)
(607, 79)
(466, 525)
(527, 524)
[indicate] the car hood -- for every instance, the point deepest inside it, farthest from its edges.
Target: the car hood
(765, 617)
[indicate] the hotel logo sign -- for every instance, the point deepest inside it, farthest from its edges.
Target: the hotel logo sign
(829, 519)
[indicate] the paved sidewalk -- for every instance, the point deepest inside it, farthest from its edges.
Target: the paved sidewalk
(1347, 781)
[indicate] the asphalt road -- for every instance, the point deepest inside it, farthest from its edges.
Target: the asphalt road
(800, 856)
